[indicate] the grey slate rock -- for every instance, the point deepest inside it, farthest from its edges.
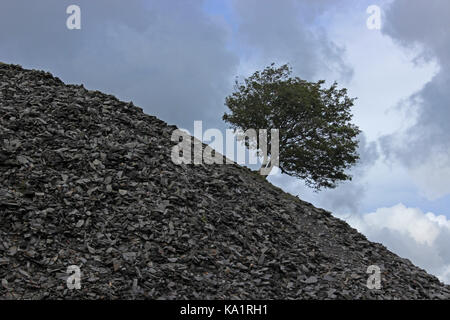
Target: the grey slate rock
(87, 180)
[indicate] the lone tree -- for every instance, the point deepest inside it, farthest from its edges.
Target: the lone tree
(317, 142)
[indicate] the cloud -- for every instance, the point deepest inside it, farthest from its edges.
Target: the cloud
(422, 28)
(289, 31)
(421, 237)
(170, 58)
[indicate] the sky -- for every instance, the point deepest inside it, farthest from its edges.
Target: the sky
(178, 60)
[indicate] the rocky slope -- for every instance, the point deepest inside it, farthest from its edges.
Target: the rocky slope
(87, 180)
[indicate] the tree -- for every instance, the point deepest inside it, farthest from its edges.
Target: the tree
(317, 142)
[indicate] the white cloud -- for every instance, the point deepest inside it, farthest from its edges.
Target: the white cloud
(409, 232)
(410, 221)
(440, 220)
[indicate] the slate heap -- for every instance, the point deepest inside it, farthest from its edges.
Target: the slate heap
(87, 180)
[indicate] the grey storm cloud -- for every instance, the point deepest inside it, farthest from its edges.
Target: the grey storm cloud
(168, 57)
(289, 31)
(422, 27)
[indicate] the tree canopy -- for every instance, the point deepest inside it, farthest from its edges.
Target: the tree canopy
(317, 141)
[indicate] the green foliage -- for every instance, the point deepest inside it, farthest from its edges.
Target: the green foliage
(317, 141)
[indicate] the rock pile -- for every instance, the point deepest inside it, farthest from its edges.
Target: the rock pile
(87, 180)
